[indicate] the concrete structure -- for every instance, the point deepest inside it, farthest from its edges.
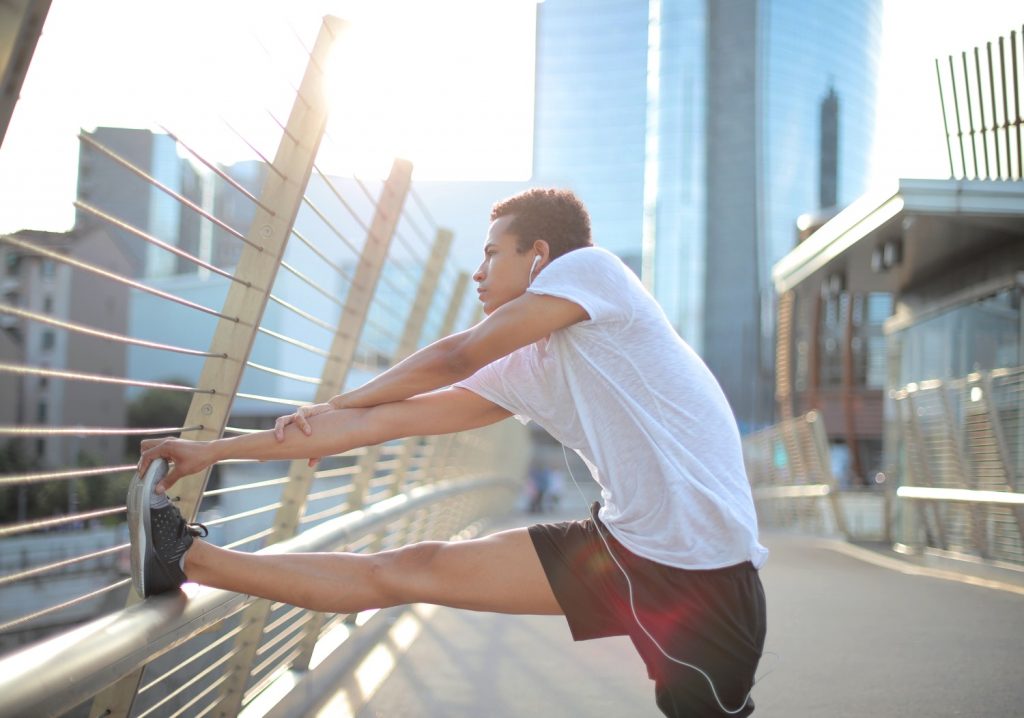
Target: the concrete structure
(45, 286)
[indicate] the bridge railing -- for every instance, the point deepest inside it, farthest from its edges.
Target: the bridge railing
(366, 281)
(961, 487)
(791, 476)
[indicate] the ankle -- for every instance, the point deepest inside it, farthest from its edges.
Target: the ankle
(192, 559)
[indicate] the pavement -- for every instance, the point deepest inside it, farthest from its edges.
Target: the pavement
(852, 631)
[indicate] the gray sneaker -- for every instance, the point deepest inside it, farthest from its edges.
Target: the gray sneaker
(160, 536)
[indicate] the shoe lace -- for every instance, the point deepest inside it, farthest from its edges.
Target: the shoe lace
(196, 529)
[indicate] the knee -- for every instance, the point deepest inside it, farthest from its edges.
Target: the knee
(406, 575)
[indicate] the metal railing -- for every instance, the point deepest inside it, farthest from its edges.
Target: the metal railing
(791, 477)
(962, 443)
(980, 98)
(366, 282)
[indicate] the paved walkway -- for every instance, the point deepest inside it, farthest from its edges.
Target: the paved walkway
(854, 636)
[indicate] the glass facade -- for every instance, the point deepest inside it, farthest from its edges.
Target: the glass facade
(975, 337)
(591, 112)
(679, 246)
(808, 50)
(621, 117)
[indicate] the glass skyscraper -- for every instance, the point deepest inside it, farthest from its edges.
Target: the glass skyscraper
(692, 130)
(591, 112)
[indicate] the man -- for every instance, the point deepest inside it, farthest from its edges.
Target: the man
(573, 341)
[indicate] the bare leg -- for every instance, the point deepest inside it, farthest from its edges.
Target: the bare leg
(499, 573)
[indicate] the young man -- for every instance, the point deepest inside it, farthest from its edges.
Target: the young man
(574, 342)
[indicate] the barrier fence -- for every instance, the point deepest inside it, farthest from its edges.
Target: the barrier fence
(962, 448)
(957, 454)
(97, 333)
(791, 477)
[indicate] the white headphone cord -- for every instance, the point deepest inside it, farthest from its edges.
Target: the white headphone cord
(632, 607)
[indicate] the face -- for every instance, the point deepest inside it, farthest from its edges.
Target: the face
(504, 273)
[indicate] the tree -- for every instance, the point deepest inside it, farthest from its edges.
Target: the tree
(156, 408)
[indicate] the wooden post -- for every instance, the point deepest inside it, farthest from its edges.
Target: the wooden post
(368, 462)
(232, 342)
(300, 475)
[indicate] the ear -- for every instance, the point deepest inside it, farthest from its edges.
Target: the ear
(543, 250)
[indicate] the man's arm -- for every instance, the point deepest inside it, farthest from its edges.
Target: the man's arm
(440, 412)
(520, 322)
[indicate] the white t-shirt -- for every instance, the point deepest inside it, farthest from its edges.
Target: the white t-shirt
(642, 410)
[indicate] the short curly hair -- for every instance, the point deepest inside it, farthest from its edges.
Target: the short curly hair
(555, 215)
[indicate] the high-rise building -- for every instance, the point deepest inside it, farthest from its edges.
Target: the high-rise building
(109, 186)
(591, 99)
(694, 129)
(40, 285)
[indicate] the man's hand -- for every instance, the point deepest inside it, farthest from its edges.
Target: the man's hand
(186, 458)
(300, 418)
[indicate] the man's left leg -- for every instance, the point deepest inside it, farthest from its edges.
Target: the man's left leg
(499, 573)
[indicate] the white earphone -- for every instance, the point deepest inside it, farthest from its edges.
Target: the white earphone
(533, 268)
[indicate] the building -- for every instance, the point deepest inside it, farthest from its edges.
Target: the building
(109, 186)
(591, 112)
(900, 321)
(909, 290)
(64, 295)
(697, 132)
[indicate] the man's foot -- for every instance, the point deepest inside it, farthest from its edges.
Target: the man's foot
(160, 536)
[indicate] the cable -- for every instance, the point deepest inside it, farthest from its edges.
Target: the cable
(632, 607)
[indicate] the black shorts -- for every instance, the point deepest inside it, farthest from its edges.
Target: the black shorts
(713, 619)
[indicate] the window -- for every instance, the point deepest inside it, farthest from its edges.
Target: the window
(972, 337)
(12, 262)
(49, 268)
(49, 340)
(41, 413)
(48, 304)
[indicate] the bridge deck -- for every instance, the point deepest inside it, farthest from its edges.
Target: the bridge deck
(854, 637)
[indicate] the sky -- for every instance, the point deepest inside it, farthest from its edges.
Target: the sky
(458, 99)
(915, 32)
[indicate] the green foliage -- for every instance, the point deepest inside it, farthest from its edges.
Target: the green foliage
(152, 409)
(156, 408)
(13, 460)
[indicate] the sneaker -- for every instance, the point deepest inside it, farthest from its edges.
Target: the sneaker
(160, 536)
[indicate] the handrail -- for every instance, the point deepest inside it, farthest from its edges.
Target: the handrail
(922, 493)
(788, 491)
(99, 653)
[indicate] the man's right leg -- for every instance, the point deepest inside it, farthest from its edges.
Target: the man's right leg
(499, 573)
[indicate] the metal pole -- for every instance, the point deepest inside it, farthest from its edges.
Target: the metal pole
(1016, 103)
(1006, 109)
(992, 98)
(970, 114)
(945, 122)
(956, 110)
(981, 107)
